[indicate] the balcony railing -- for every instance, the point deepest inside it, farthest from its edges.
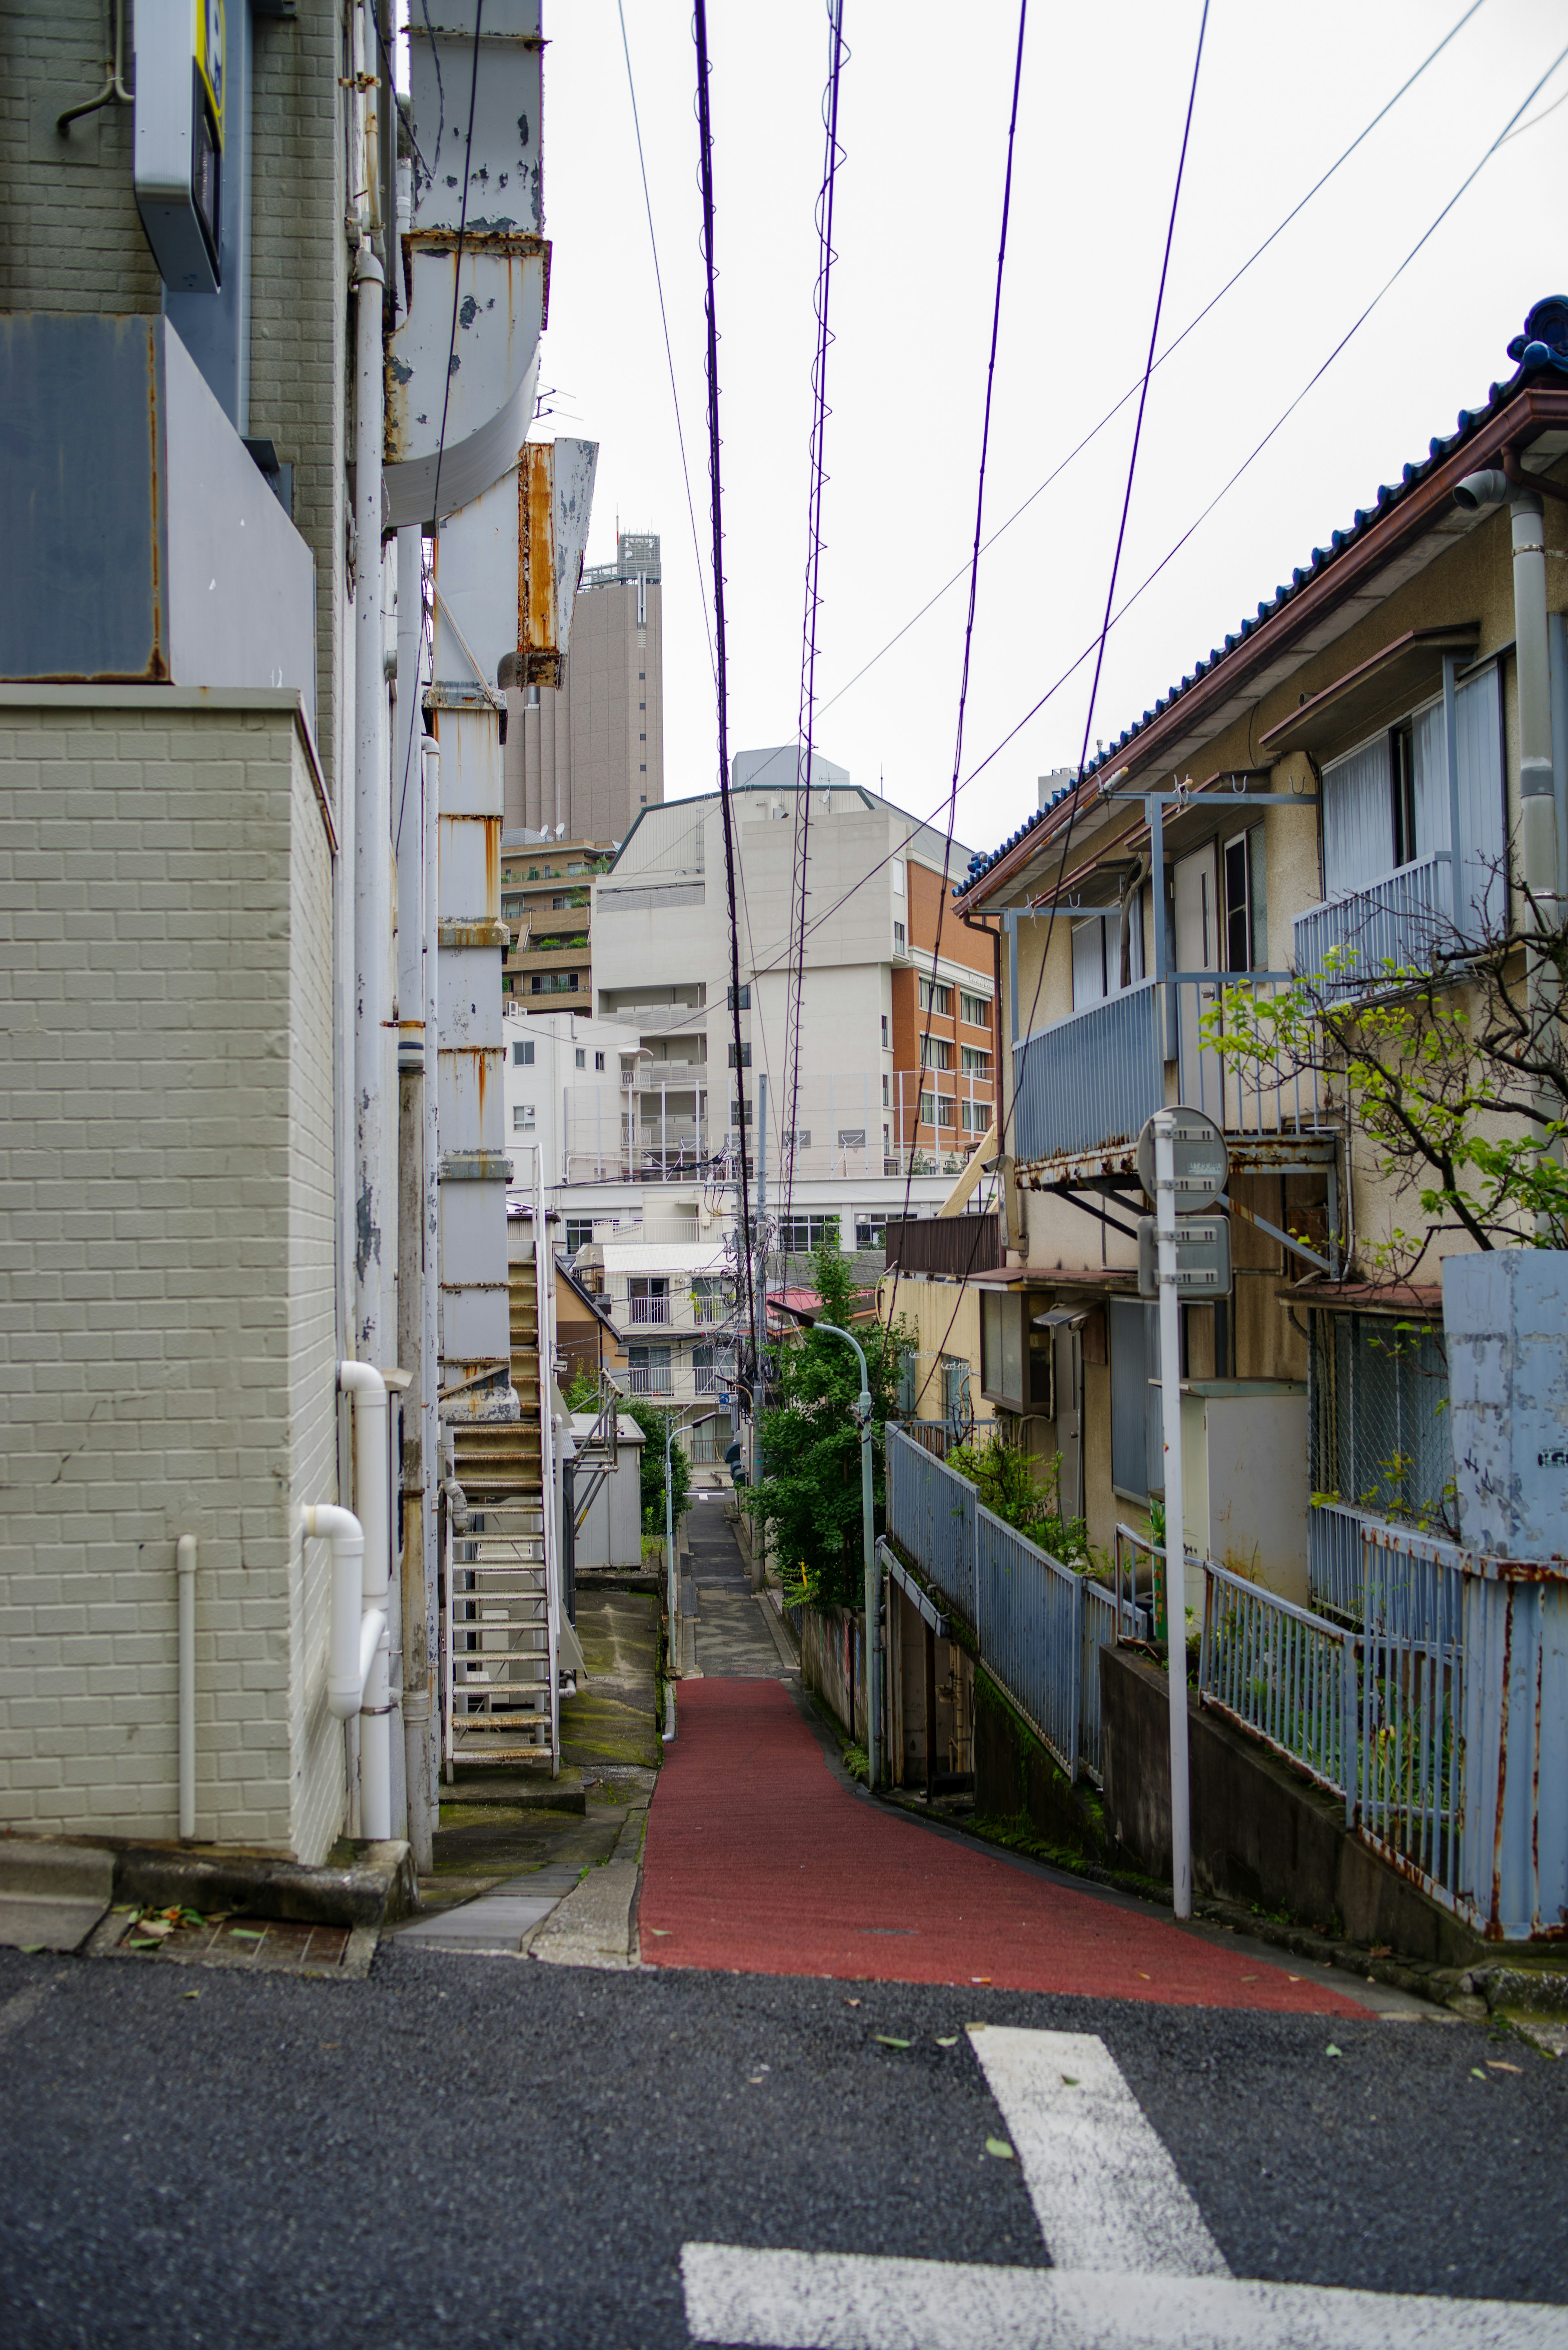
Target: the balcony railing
(654, 1310)
(656, 1379)
(955, 1245)
(1091, 1081)
(1396, 921)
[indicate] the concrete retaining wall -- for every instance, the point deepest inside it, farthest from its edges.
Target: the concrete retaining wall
(832, 1665)
(1260, 1833)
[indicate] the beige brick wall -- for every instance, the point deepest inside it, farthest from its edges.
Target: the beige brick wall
(299, 306)
(74, 241)
(166, 1261)
(72, 231)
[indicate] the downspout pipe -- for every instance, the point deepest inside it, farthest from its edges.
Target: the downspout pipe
(375, 1252)
(185, 1573)
(355, 1658)
(430, 1294)
(359, 1678)
(1537, 765)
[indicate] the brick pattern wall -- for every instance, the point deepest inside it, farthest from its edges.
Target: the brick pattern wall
(166, 1290)
(300, 392)
(73, 237)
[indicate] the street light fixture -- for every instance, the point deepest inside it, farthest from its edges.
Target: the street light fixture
(868, 1544)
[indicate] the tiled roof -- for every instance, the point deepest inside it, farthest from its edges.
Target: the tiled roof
(1541, 347)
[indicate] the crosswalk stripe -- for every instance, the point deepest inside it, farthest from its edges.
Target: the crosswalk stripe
(837, 2300)
(1106, 2192)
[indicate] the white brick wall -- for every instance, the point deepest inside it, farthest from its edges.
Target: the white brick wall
(167, 1340)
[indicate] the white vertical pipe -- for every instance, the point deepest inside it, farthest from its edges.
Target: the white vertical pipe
(1175, 1511)
(186, 1570)
(408, 783)
(374, 1243)
(1537, 770)
(430, 1297)
(372, 1496)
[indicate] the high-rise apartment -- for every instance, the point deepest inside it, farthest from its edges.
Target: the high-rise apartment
(584, 758)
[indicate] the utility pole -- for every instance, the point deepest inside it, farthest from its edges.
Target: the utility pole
(760, 1285)
(1175, 1508)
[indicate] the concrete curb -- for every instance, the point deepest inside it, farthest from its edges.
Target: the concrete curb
(378, 1885)
(52, 1896)
(595, 1926)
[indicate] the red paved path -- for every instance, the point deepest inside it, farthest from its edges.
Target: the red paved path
(757, 1859)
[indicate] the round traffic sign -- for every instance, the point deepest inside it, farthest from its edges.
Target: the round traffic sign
(1203, 1163)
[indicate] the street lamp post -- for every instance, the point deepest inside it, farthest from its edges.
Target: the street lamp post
(868, 1544)
(669, 1426)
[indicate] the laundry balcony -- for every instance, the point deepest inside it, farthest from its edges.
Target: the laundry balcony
(1087, 1085)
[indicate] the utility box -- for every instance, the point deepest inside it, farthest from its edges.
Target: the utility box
(153, 549)
(1505, 1313)
(1244, 1471)
(177, 144)
(611, 1534)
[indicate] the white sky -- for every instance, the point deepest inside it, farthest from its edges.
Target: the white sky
(923, 120)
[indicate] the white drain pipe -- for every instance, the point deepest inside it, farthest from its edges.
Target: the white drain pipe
(186, 1570)
(358, 1658)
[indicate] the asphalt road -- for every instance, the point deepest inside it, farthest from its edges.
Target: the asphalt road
(495, 2151)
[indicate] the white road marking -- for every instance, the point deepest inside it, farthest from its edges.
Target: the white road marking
(836, 2301)
(1135, 2268)
(1106, 2192)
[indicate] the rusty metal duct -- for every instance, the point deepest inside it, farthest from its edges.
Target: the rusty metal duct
(508, 566)
(463, 365)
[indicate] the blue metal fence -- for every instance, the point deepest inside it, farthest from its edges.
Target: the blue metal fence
(1454, 1701)
(1439, 1711)
(1287, 1676)
(1039, 1624)
(1030, 1629)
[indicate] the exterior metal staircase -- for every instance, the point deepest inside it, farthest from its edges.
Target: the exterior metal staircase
(502, 1579)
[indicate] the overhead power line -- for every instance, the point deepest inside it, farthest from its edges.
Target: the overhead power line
(1171, 348)
(805, 729)
(720, 672)
(1501, 138)
(917, 825)
(668, 354)
(925, 1054)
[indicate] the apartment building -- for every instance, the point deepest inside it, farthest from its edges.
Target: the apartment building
(1360, 779)
(547, 903)
(546, 1056)
(585, 757)
(897, 1040)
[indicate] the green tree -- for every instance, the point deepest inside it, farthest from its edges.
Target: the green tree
(1453, 1064)
(809, 1498)
(1024, 1494)
(655, 1425)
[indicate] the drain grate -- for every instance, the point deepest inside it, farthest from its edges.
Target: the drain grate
(265, 1945)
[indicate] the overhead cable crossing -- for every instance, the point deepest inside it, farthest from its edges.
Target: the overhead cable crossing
(925, 1055)
(705, 173)
(795, 987)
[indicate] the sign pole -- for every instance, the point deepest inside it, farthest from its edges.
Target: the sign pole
(1164, 1124)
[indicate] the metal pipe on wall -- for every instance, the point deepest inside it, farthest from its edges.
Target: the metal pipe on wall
(374, 1338)
(185, 1572)
(416, 1260)
(429, 1293)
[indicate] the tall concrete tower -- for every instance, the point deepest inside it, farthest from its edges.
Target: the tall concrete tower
(587, 757)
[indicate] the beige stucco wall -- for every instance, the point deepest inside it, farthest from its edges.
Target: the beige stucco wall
(167, 1314)
(946, 1319)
